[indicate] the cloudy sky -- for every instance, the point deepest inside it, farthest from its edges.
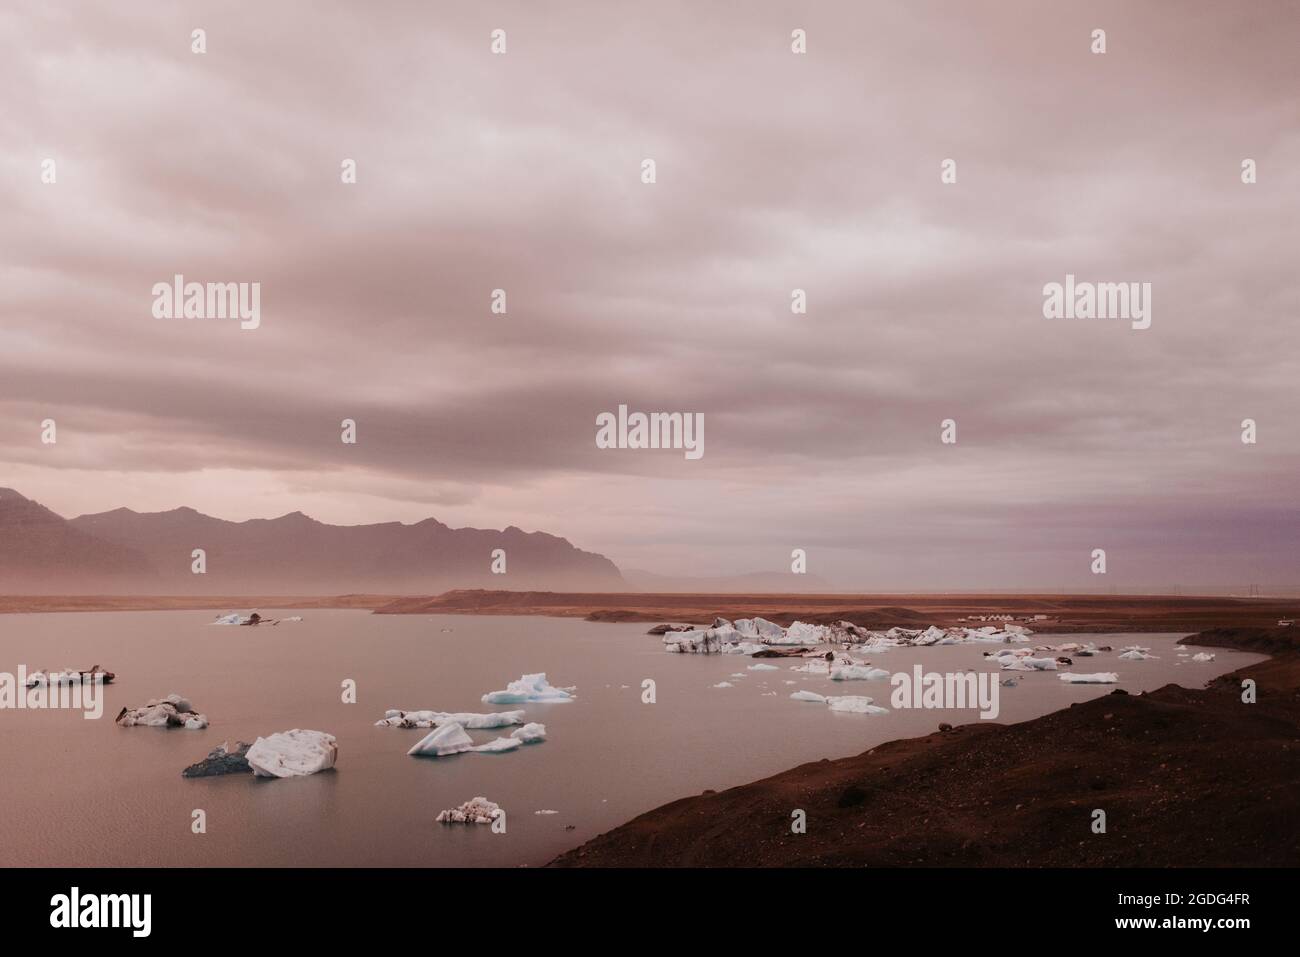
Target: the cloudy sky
(775, 171)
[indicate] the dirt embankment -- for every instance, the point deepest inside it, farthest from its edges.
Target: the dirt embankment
(1186, 778)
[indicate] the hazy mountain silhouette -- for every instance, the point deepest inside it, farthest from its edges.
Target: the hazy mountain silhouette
(123, 552)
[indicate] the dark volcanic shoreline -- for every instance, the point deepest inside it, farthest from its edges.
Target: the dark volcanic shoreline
(1186, 777)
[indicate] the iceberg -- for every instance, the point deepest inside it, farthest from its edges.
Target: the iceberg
(759, 628)
(497, 745)
(466, 719)
(449, 738)
(529, 688)
(292, 754)
(854, 672)
(530, 733)
(1202, 656)
(172, 711)
(1137, 654)
(1100, 678)
(762, 667)
(724, 684)
(477, 810)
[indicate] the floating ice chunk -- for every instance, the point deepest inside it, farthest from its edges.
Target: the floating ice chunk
(857, 704)
(762, 667)
(808, 696)
(234, 618)
(1137, 654)
(1100, 678)
(743, 648)
(466, 719)
(724, 684)
(857, 672)
(530, 733)
(172, 711)
(529, 688)
(449, 738)
(1202, 656)
(1026, 663)
(814, 666)
(497, 745)
(291, 754)
(547, 811)
(477, 810)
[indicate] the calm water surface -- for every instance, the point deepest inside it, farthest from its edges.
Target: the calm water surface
(79, 792)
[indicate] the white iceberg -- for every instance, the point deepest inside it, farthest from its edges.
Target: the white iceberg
(1202, 656)
(291, 754)
(529, 688)
(763, 667)
(1100, 678)
(497, 745)
(466, 719)
(724, 684)
(1137, 654)
(759, 628)
(449, 738)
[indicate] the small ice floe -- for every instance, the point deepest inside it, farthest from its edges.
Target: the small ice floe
(1202, 656)
(808, 696)
(546, 811)
(530, 688)
(814, 666)
(1134, 653)
(530, 733)
(172, 711)
(449, 738)
(223, 759)
(854, 703)
(292, 754)
(1100, 678)
(762, 667)
(497, 745)
(737, 674)
(477, 810)
(70, 676)
(724, 684)
(1010, 682)
(856, 672)
(466, 719)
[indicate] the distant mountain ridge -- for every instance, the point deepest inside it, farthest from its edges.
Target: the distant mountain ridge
(127, 552)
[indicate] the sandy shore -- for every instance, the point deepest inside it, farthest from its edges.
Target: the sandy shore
(1186, 777)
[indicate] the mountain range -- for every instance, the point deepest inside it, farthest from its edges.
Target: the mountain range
(128, 552)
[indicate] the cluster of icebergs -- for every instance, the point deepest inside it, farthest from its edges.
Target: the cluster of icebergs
(747, 636)
(172, 711)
